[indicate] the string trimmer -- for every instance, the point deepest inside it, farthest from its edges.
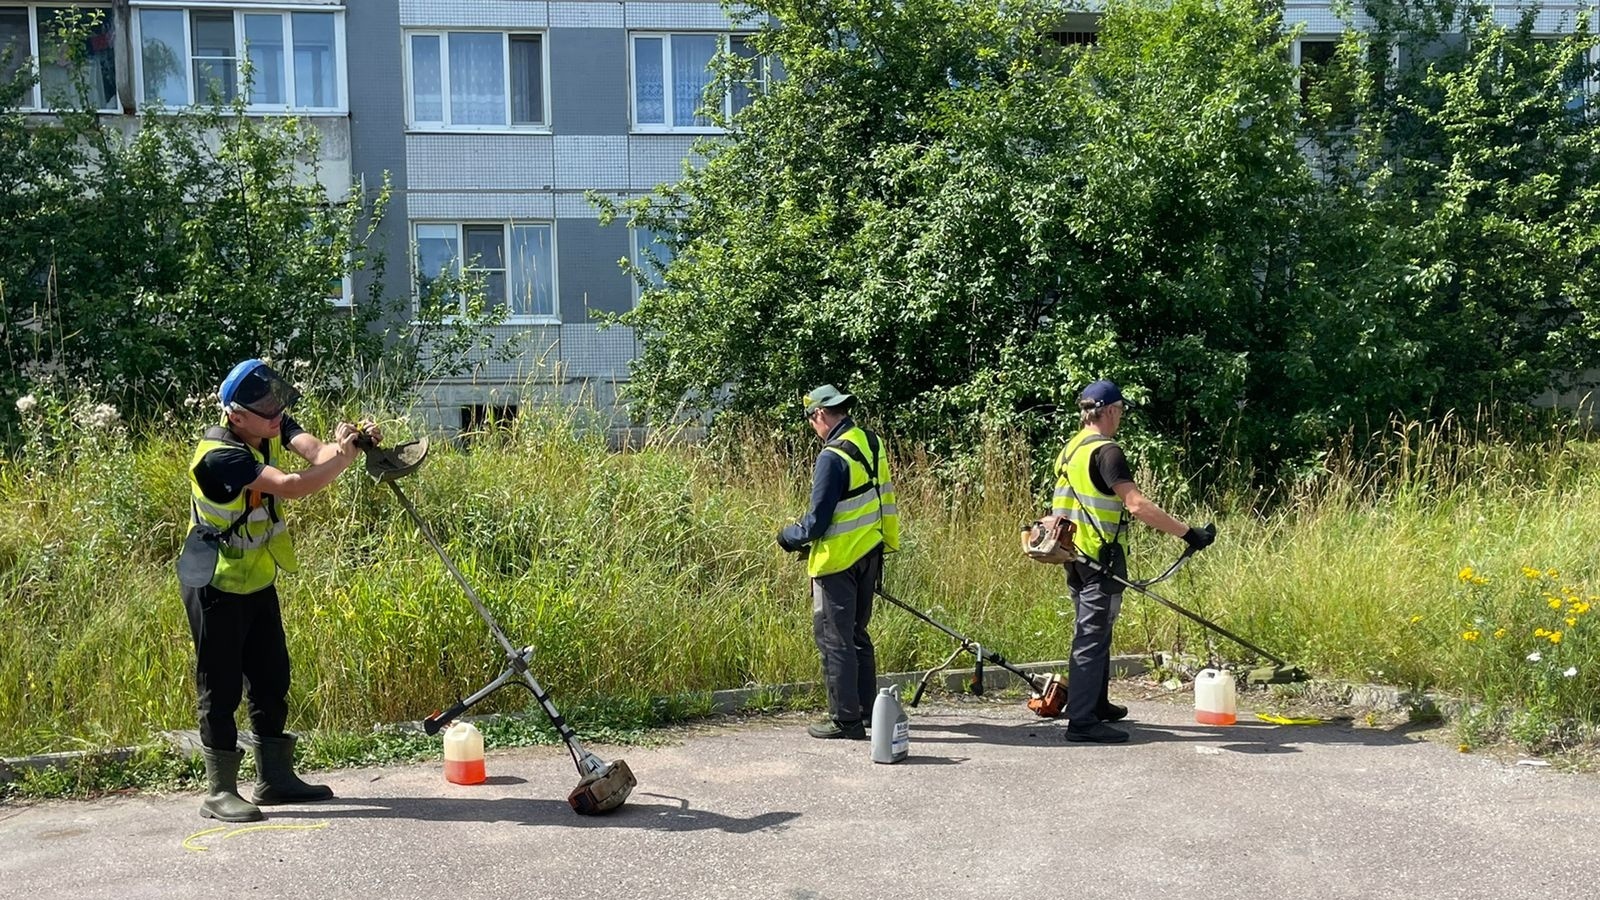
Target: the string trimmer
(1049, 693)
(603, 786)
(1279, 672)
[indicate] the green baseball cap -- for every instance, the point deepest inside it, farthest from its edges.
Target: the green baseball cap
(825, 396)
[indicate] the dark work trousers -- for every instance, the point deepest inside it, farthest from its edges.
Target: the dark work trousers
(1098, 600)
(841, 607)
(238, 645)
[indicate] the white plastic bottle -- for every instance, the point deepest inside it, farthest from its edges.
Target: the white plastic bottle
(1216, 698)
(891, 730)
(463, 754)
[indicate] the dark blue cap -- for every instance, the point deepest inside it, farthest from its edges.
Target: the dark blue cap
(1103, 393)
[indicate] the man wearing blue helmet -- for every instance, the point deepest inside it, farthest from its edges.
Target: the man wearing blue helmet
(1095, 490)
(236, 544)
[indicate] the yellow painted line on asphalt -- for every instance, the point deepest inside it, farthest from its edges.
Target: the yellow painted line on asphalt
(188, 842)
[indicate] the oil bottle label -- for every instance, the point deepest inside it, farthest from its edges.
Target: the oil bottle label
(902, 738)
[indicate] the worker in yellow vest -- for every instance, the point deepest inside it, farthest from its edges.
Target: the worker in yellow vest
(1095, 489)
(236, 544)
(852, 522)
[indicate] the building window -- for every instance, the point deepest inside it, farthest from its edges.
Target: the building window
(476, 80)
(33, 32)
(652, 253)
(195, 56)
(477, 418)
(515, 260)
(671, 73)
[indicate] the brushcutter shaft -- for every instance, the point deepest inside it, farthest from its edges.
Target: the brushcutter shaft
(422, 525)
(1143, 588)
(966, 643)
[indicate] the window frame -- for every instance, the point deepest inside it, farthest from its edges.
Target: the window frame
(36, 93)
(241, 53)
(446, 126)
(462, 267)
(635, 235)
(724, 45)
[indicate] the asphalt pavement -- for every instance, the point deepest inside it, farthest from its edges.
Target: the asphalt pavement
(991, 803)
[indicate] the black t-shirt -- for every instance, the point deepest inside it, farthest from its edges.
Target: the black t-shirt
(224, 472)
(1108, 467)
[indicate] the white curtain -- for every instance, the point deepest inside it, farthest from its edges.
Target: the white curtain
(649, 86)
(427, 82)
(532, 274)
(477, 79)
(691, 74)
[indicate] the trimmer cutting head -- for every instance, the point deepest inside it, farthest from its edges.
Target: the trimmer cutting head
(1276, 675)
(603, 789)
(393, 463)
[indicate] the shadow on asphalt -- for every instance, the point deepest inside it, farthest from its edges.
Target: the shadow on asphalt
(674, 815)
(1245, 737)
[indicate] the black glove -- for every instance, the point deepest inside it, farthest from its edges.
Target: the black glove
(1200, 538)
(784, 542)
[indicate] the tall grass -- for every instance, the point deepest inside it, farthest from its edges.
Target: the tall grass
(654, 572)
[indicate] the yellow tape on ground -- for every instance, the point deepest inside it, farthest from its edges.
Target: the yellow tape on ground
(189, 845)
(1288, 720)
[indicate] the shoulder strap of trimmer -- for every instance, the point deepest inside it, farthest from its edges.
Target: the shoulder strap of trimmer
(849, 448)
(224, 435)
(1061, 472)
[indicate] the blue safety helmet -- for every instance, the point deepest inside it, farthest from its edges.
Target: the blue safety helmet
(253, 385)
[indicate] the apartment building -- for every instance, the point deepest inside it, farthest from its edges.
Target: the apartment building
(491, 119)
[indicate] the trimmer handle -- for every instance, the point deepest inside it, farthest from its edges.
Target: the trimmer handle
(436, 722)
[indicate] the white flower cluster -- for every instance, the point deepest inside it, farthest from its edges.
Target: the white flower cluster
(100, 417)
(26, 403)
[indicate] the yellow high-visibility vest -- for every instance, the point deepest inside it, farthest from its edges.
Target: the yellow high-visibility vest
(1100, 517)
(249, 555)
(866, 514)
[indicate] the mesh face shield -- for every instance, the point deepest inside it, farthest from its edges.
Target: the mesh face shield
(253, 385)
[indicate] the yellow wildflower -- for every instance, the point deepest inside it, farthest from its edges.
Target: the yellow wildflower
(1531, 574)
(1571, 621)
(1555, 637)
(1415, 619)
(1539, 632)
(1499, 632)
(1469, 635)
(1465, 574)
(1581, 608)
(1555, 602)
(1551, 573)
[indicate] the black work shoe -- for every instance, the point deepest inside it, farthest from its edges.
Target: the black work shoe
(831, 729)
(1110, 712)
(1098, 733)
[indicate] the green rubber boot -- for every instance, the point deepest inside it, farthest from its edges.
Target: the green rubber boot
(276, 781)
(224, 802)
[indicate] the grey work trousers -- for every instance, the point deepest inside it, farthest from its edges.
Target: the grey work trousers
(841, 607)
(1098, 600)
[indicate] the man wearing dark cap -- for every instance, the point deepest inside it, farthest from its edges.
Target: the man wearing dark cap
(236, 544)
(1095, 490)
(851, 523)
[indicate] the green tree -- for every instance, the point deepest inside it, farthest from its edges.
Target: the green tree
(136, 267)
(945, 209)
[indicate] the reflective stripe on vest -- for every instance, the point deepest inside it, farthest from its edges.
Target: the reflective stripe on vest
(864, 517)
(250, 555)
(1100, 517)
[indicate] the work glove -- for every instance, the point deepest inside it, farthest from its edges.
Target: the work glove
(787, 545)
(1200, 538)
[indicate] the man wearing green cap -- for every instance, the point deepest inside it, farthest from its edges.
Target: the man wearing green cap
(236, 544)
(852, 522)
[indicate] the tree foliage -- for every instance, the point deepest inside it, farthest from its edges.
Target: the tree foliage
(942, 208)
(141, 260)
